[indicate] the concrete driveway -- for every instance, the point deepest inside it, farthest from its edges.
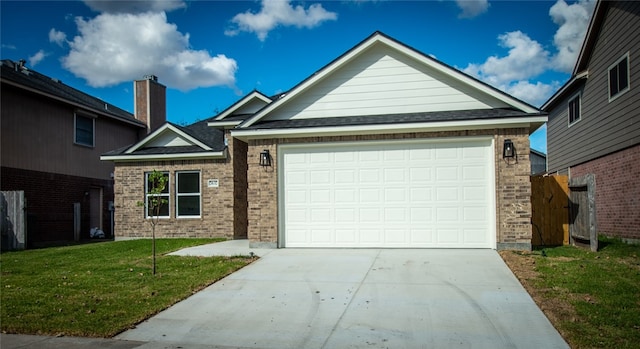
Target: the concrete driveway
(363, 298)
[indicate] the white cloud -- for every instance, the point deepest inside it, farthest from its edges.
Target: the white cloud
(114, 48)
(137, 6)
(279, 12)
(37, 58)
(472, 8)
(573, 21)
(534, 94)
(57, 36)
(526, 59)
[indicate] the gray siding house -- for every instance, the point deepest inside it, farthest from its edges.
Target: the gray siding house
(594, 119)
(52, 139)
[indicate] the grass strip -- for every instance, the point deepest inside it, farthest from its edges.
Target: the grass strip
(592, 298)
(100, 289)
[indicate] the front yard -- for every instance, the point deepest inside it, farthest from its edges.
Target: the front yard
(593, 299)
(100, 289)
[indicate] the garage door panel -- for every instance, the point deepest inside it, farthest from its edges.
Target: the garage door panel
(401, 194)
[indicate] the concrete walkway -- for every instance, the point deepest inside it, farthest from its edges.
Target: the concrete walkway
(345, 298)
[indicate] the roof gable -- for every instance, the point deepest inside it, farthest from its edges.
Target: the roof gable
(381, 76)
(168, 135)
(174, 142)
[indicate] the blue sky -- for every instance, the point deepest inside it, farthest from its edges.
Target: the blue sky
(210, 53)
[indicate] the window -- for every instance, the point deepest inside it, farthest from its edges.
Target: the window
(188, 194)
(164, 196)
(619, 77)
(84, 130)
(574, 109)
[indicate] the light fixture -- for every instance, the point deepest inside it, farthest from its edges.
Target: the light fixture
(265, 158)
(508, 151)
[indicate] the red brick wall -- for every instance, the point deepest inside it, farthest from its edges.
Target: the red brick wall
(50, 198)
(617, 192)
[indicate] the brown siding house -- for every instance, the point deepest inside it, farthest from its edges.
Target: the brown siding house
(52, 139)
(383, 147)
(594, 119)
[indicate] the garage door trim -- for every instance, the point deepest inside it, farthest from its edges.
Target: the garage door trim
(282, 149)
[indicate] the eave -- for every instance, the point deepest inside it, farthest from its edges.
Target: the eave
(224, 124)
(165, 157)
(532, 122)
(564, 90)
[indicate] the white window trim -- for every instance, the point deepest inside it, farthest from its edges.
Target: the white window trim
(75, 128)
(625, 90)
(569, 122)
(178, 194)
(146, 195)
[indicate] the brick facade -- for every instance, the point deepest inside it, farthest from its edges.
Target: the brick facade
(50, 198)
(217, 206)
(617, 192)
(513, 187)
(223, 208)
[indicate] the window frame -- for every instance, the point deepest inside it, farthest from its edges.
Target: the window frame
(79, 114)
(570, 122)
(615, 66)
(166, 195)
(198, 194)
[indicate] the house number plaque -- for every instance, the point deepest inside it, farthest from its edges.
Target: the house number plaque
(213, 183)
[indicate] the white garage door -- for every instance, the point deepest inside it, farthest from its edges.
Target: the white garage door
(388, 194)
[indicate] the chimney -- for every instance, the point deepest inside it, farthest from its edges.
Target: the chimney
(149, 102)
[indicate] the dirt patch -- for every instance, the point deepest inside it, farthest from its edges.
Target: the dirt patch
(557, 309)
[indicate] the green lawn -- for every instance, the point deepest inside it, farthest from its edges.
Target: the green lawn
(594, 297)
(100, 289)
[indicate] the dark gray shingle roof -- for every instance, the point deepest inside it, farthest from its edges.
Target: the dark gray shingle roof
(20, 75)
(454, 115)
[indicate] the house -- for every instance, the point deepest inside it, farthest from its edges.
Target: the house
(594, 119)
(538, 162)
(383, 147)
(52, 139)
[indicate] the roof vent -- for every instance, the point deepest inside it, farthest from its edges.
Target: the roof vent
(151, 77)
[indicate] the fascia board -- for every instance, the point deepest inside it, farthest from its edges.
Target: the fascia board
(161, 130)
(244, 134)
(153, 157)
(224, 124)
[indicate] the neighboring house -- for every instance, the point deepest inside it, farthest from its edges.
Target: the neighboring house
(52, 139)
(383, 147)
(538, 162)
(594, 119)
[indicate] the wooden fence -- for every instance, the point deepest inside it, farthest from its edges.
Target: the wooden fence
(550, 210)
(13, 224)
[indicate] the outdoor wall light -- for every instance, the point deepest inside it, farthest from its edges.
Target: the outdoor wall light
(508, 151)
(265, 158)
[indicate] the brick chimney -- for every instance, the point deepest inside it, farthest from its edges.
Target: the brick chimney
(149, 102)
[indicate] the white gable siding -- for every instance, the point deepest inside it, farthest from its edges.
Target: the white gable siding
(168, 139)
(383, 81)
